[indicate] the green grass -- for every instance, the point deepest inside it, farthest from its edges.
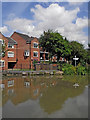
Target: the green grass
(23, 70)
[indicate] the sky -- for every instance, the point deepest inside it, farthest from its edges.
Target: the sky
(70, 19)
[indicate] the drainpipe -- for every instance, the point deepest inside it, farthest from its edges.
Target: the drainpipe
(16, 54)
(30, 54)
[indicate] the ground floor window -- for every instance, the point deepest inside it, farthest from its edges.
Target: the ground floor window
(2, 63)
(11, 65)
(10, 83)
(35, 54)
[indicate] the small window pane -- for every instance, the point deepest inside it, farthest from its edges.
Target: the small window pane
(2, 63)
(10, 46)
(35, 54)
(35, 45)
(10, 54)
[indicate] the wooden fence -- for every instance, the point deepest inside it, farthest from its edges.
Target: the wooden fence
(42, 66)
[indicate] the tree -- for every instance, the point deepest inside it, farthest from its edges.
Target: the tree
(55, 44)
(88, 54)
(3, 49)
(79, 51)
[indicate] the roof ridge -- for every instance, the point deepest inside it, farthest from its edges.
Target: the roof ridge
(27, 38)
(13, 39)
(22, 34)
(25, 35)
(9, 38)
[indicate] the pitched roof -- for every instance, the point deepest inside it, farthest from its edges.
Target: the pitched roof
(26, 37)
(11, 41)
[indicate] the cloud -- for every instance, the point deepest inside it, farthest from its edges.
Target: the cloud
(4, 29)
(20, 24)
(53, 17)
(75, 31)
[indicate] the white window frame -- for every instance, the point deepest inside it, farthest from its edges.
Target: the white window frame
(2, 65)
(35, 43)
(2, 41)
(35, 52)
(10, 55)
(10, 45)
(10, 83)
(26, 53)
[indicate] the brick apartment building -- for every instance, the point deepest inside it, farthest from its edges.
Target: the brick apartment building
(21, 51)
(10, 55)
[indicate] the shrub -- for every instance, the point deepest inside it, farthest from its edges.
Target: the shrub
(68, 69)
(54, 72)
(81, 70)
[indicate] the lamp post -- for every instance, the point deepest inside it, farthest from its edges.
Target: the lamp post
(75, 60)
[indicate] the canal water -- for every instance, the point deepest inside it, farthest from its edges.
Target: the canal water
(45, 97)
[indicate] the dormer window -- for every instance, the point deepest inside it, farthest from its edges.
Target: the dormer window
(10, 45)
(26, 53)
(35, 45)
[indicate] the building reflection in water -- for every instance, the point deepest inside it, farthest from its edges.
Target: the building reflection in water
(51, 92)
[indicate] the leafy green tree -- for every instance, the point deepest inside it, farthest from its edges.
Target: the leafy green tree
(2, 49)
(79, 51)
(88, 54)
(55, 44)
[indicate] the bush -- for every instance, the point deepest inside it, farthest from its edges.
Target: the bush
(54, 72)
(68, 69)
(81, 70)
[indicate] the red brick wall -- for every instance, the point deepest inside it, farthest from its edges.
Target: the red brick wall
(21, 47)
(12, 59)
(6, 58)
(34, 49)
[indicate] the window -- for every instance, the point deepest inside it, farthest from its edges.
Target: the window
(35, 45)
(10, 83)
(26, 53)
(10, 45)
(2, 63)
(62, 59)
(1, 41)
(10, 54)
(35, 54)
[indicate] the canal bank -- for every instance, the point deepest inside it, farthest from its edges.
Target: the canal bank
(31, 73)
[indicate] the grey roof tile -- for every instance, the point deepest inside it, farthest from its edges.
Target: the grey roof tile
(11, 41)
(26, 37)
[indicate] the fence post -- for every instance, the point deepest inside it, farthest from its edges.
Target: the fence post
(21, 66)
(30, 66)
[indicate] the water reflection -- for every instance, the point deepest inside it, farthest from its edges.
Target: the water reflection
(50, 94)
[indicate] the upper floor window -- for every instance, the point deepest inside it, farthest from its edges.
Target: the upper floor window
(10, 45)
(10, 54)
(35, 54)
(35, 45)
(26, 53)
(2, 63)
